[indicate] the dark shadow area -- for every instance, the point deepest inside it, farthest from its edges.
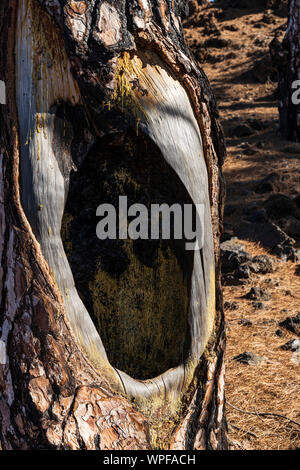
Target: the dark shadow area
(238, 8)
(136, 291)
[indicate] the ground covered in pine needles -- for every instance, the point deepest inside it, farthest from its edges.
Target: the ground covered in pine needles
(232, 45)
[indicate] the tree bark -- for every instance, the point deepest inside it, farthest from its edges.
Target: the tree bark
(286, 58)
(114, 66)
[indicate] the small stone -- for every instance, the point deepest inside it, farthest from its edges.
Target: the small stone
(268, 321)
(296, 357)
(249, 358)
(260, 306)
(231, 306)
(257, 293)
(262, 264)
(285, 252)
(232, 246)
(279, 333)
(232, 256)
(231, 27)
(243, 272)
(292, 324)
(217, 42)
(292, 345)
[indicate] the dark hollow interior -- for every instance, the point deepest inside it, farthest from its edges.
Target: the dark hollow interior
(136, 292)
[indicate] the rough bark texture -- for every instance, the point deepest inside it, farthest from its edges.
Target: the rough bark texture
(286, 57)
(51, 396)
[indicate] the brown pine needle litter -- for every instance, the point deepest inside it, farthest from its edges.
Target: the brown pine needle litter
(260, 413)
(263, 400)
(273, 386)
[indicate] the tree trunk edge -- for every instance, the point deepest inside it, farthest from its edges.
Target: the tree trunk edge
(55, 376)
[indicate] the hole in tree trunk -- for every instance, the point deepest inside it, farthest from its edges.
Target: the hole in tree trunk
(137, 292)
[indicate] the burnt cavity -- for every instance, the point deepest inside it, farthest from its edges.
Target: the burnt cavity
(136, 292)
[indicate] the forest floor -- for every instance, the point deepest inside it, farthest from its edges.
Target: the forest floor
(232, 46)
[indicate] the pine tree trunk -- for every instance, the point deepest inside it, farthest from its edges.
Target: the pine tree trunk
(286, 58)
(76, 74)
